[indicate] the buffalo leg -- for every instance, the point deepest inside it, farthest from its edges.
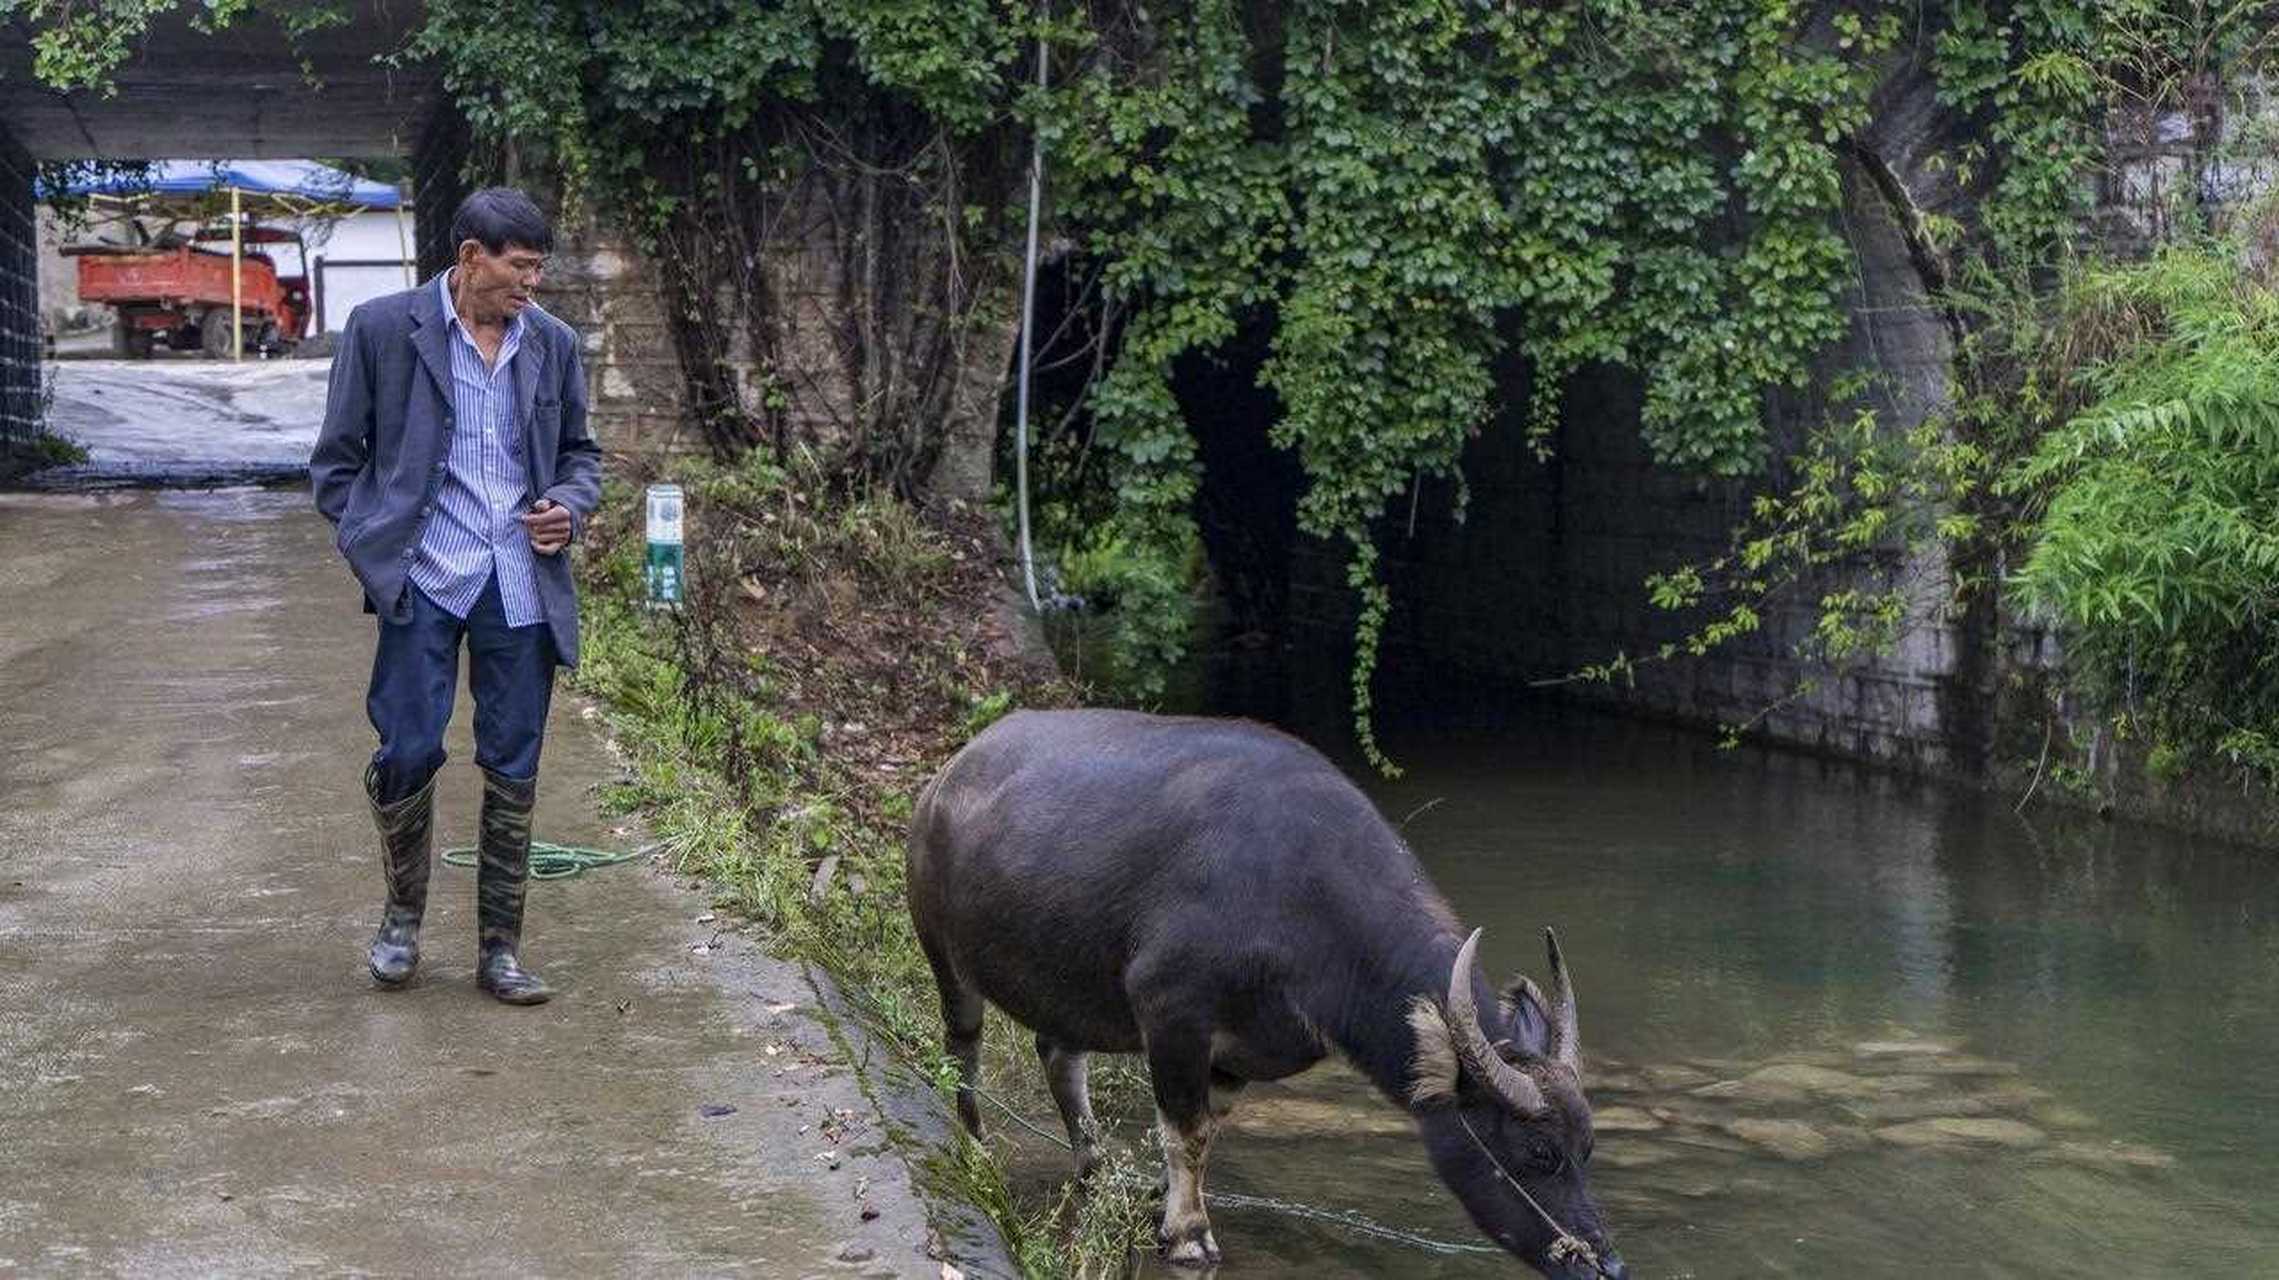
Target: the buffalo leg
(962, 1010)
(1225, 1090)
(1180, 1063)
(1067, 1075)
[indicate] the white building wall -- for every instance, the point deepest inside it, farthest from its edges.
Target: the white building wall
(60, 311)
(366, 256)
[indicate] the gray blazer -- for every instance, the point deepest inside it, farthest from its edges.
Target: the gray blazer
(387, 423)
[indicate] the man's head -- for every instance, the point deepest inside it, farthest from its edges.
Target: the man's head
(502, 242)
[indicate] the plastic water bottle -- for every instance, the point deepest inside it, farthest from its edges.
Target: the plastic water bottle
(665, 571)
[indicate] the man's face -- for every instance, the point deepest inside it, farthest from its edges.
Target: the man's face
(497, 286)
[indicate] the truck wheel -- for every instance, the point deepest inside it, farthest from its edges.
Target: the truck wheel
(213, 333)
(130, 343)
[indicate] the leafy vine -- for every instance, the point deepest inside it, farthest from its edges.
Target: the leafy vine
(2103, 412)
(1391, 203)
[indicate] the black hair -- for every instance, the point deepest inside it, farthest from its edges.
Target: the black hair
(498, 217)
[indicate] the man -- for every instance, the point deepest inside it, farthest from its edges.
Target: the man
(455, 464)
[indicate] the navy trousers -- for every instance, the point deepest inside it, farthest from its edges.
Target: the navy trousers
(415, 676)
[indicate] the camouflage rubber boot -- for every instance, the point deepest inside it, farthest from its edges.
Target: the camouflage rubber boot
(406, 834)
(502, 870)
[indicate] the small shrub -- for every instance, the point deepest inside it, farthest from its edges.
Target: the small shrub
(52, 450)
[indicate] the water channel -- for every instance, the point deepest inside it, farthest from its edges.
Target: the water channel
(1840, 1025)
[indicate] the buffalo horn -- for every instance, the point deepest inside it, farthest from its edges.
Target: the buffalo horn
(1487, 1067)
(1566, 1039)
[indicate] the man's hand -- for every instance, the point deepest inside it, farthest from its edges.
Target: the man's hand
(549, 525)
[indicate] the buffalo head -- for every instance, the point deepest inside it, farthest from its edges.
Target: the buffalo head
(1508, 1129)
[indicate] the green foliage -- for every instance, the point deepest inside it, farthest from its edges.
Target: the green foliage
(1374, 177)
(984, 711)
(1145, 597)
(2157, 545)
(718, 135)
(76, 48)
(81, 44)
(1372, 181)
(1159, 169)
(1859, 530)
(2030, 72)
(2119, 446)
(601, 86)
(2108, 423)
(51, 450)
(1392, 203)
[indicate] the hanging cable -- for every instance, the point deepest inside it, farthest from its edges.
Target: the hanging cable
(1028, 327)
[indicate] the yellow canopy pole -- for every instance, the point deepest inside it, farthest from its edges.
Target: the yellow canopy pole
(403, 241)
(236, 279)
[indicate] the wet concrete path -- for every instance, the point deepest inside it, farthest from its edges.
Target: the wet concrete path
(149, 412)
(197, 1077)
(184, 423)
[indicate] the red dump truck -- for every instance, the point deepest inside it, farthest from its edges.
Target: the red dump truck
(181, 294)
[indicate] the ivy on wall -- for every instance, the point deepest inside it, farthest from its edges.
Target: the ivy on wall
(823, 188)
(1645, 184)
(2103, 448)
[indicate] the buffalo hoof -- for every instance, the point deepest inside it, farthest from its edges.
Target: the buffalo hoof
(1195, 1250)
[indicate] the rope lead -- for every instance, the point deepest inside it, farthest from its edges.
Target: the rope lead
(1566, 1246)
(550, 861)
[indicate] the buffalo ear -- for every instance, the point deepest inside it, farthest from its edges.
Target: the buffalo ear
(1433, 1070)
(1522, 989)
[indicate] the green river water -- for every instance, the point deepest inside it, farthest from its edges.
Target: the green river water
(1840, 1025)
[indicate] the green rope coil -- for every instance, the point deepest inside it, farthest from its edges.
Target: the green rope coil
(550, 861)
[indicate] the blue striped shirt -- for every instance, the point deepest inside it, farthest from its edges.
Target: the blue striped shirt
(475, 530)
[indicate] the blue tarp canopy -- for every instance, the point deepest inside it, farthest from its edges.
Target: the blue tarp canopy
(305, 179)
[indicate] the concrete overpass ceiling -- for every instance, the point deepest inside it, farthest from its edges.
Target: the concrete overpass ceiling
(239, 92)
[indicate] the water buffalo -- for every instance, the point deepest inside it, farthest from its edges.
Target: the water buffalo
(1216, 895)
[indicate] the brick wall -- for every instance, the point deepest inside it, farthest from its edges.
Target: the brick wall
(799, 377)
(599, 284)
(593, 281)
(19, 302)
(802, 373)
(2175, 170)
